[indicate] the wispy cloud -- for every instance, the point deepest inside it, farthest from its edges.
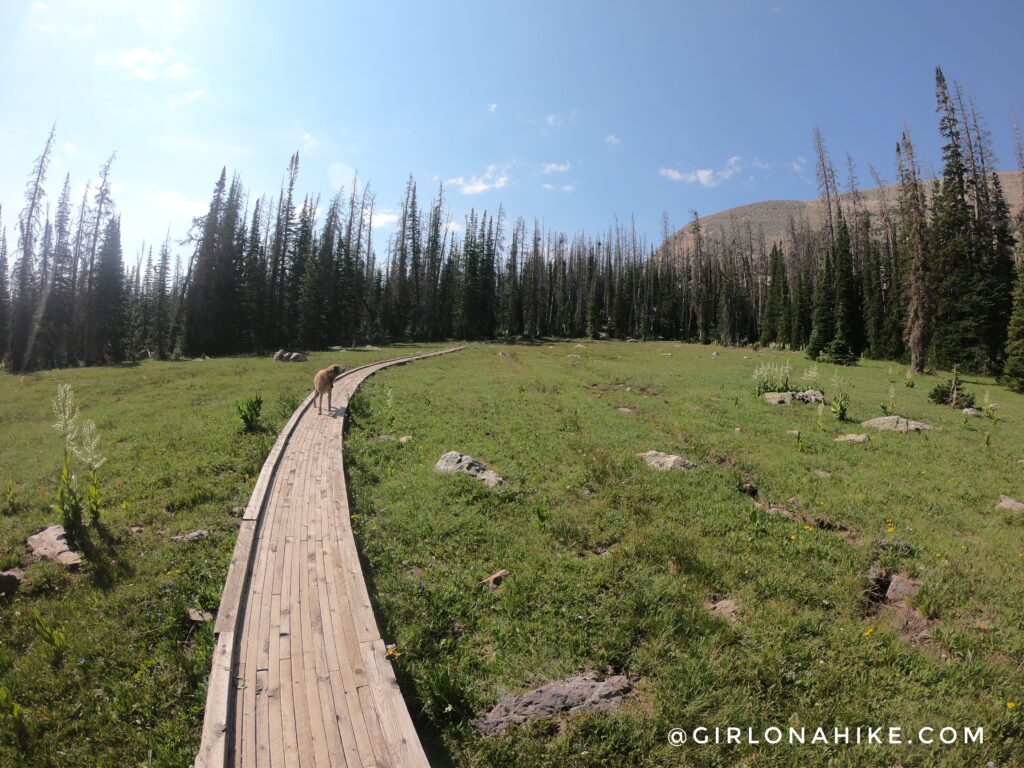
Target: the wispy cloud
(176, 202)
(706, 177)
(492, 108)
(341, 175)
(560, 187)
(189, 97)
(495, 177)
(554, 121)
(70, 148)
(798, 165)
(309, 141)
(612, 140)
(555, 167)
(146, 64)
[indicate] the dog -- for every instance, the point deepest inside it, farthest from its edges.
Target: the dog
(323, 383)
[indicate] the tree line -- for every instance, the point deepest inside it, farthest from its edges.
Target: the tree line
(928, 278)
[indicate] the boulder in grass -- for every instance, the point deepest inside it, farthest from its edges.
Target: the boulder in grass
(198, 535)
(454, 462)
(52, 544)
(896, 424)
(1010, 504)
(589, 691)
(279, 354)
(851, 438)
(809, 396)
(663, 462)
(972, 412)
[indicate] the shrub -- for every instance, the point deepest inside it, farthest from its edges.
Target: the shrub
(951, 393)
(840, 401)
(249, 412)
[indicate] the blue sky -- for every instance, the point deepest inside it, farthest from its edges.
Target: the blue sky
(567, 111)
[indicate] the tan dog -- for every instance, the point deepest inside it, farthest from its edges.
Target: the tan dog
(323, 384)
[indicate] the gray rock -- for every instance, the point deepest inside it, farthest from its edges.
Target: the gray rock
(665, 461)
(896, 424)
(901, 588)
(851, 438)
(588, 691)
(52, 544)
(580, 346)
(197, 616)
(297, 357)
(785, 398)
(1008, 503)
(198, 535)
(973, 412)
(823, 474)
(10, 581)
(573, 357)
(279, 354)
(454, 462)
(405, 439)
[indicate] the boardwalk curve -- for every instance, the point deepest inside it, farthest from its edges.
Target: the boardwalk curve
(300, 675)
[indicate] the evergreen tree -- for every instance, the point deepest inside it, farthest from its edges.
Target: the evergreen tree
(840, 349)
(110, 297)
(5, 294)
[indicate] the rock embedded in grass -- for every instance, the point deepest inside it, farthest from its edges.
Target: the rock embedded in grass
(1009, 503)
(198, 535)
(198, 616)
(664, 462)
(10, 581)
(809, 396)
(851, 438)
(51, 543)
(973, 412)
(896, 424)
(582, 692)
(454, 462)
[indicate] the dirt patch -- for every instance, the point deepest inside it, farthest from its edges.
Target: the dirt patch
(727, 608)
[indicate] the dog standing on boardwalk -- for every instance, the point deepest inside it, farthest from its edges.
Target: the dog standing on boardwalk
(323, 384)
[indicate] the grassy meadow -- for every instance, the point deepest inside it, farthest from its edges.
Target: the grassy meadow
(128, 686)
(611, 564)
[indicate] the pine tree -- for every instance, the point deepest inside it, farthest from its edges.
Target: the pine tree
(959, 314)
(5, 294)
(840, 350)
(26, 288)
(110, 303)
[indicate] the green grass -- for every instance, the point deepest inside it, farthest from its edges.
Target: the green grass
(127, 686)
(611, 563)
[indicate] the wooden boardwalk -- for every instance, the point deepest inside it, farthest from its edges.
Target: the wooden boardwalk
(300, 674)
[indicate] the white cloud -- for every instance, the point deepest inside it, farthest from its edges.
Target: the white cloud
(453, 227)
(552, 121)
(704, 176)
(492, 108)
(495, 177)
(176, 202)
(70, 148)
(612, 140)
(798, 165)
(197, 94)
(555, 167)
(560, 187)
(146, 64)
(309, 141)
(761, 165)
(385, 218)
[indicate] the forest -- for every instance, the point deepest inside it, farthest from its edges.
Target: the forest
(933, 279)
